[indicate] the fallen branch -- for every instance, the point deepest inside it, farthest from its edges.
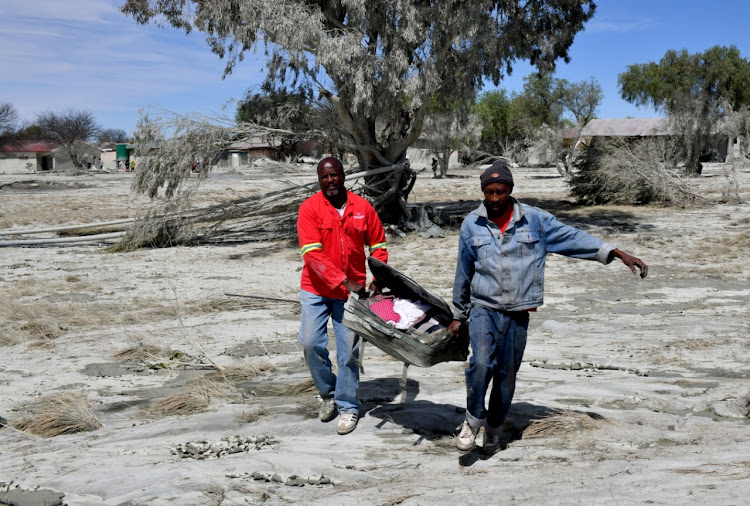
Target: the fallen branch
(577, 366)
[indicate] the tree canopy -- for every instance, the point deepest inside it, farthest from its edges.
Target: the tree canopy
(281, 115)
(511, 123)
(112, 136)
(581, 99)
(719, 74)
(379, 63)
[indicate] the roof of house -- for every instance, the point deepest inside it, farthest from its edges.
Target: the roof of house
(28, 147)
(626, 127)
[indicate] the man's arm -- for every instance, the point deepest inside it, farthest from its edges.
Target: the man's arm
(632, 262)
(376, 242)
(462, 284)
(570, 241)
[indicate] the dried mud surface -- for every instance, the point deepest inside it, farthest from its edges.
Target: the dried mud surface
(631, 391)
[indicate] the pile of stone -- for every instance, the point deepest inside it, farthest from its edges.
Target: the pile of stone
(291, 481)
(225, 446)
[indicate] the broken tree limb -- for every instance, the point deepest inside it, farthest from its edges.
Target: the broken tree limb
(68, 227)
(262, 297)
(61, 240)
(577, 366)
(266, 216)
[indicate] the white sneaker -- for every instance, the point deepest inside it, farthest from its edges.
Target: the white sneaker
(327, 410)
(466, 439)
(347, 423)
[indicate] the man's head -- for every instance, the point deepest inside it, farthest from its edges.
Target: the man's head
(331, 178)
(497, 185)
(498, 172)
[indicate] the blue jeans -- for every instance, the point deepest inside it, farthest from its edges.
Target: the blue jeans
(498, 340)
(313, 337)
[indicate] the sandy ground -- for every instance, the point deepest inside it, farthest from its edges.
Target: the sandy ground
(631, 391)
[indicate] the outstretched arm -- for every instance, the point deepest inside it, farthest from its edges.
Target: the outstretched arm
(631, 261)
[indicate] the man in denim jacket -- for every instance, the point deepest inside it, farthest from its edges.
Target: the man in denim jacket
(499, 279)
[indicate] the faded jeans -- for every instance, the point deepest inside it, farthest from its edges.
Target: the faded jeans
(498, 340)
(313, 337)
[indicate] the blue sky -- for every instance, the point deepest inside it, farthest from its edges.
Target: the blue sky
(84, 54)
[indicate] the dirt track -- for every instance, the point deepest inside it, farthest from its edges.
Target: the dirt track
(631, 390)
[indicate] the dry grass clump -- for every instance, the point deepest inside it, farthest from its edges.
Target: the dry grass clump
(639, 172)
(195, 399)
(61, 413)
(37, 320)
(561, 423)
(241, 371)
(142, 352)
(302, 388)
(254, 414)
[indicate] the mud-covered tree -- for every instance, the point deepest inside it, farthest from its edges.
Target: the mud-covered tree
(70, 130)
(448, 128)
(380, 63)
(695, 90)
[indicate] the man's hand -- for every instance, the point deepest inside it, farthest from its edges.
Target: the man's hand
(453, 327)
(373, 288)
(353, 287)
(632, 262)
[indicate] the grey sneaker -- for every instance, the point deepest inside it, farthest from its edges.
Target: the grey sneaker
(327, 410)
(466, 439)
(347, 423)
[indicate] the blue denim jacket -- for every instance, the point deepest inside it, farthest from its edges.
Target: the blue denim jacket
(506, 272)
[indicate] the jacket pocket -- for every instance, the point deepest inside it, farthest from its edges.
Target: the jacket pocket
(482, 245)
(527, 241)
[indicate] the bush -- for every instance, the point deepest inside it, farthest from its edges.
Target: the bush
(643, 171)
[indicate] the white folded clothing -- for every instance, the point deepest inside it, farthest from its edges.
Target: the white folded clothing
(409, 311)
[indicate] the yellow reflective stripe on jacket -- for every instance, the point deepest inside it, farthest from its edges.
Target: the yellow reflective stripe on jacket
(380, 245)
(309, 247)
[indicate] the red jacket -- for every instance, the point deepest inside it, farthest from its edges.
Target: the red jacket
(333, 247)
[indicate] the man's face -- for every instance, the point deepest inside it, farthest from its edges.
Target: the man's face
(497, 197)
(331, 179)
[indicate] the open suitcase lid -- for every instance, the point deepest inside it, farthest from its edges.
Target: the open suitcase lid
(402, 286)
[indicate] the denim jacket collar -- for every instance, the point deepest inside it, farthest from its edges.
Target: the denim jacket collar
(518, 212)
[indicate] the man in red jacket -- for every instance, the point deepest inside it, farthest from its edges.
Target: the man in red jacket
(333, 228)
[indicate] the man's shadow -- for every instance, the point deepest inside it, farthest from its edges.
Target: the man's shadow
(381, 398)
(520, 417)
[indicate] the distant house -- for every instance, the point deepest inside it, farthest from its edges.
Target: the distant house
(243, 152)
(626, 128)
(35, 156)
(640, 128)
(27, 156)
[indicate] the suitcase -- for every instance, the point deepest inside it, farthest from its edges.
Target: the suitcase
(411, 346)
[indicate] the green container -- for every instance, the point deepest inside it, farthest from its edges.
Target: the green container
(122, 152)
